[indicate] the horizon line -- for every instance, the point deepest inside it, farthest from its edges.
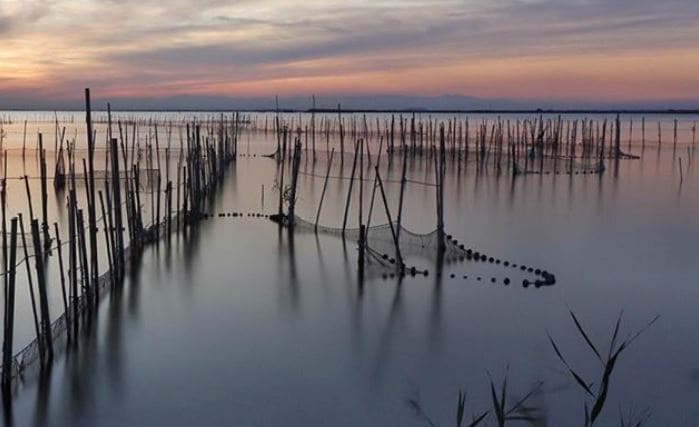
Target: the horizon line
(658, 111)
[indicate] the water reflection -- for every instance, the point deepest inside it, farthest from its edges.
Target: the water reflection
(395, 313)
(418, 323)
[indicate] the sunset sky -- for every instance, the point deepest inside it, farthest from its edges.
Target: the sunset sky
(573, 50)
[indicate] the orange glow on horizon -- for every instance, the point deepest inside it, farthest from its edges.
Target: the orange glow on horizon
(274, 47)
(646, 76)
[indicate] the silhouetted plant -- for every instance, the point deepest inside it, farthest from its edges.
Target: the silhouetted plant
(599, 397)
(519, 411)
(634, 419)
(419, 411)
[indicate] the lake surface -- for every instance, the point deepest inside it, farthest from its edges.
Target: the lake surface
(242, 323)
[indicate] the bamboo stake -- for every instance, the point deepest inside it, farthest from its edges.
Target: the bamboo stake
(60, 269)
(31, 287)
(9, 323)
(43, 295)
(399, 257)
(349, 191)
(92, 219)
(325, 186)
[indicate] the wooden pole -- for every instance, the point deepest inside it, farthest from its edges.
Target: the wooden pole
(325, 186)
(107, 239)
(313, 128)
(32, 297)
(116, 192)
(373, 191)
(399, 257)
(403, 181)
(9, 323)
(440, 171)
(92, 219)
(349, 191)
(43, 295)
(73, 255)
(3, 197)
(281, 178)
(294, 180)
(60, 269)
(24, 140)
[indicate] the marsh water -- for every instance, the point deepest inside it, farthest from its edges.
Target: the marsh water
(240, 322)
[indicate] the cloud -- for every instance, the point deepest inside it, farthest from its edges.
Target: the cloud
(121, 44)
(17, 15)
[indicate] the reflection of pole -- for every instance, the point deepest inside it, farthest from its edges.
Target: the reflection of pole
(399, 257)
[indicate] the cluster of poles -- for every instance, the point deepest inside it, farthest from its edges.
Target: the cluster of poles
(535, 145)
(202, 162)
(206, 149)
(522, 146)
(288, 194)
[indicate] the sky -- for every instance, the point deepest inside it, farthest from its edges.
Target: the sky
(536, 50)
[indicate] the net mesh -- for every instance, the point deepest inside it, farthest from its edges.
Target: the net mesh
(381, 251)
(27, 361)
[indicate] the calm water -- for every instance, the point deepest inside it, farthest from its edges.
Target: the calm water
(239, 323)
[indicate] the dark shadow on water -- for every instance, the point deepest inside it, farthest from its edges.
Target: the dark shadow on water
(81, 368)
(293, 274)
(43, 392)
(7, 410)
(289, 291)
(395, 313)
(436, 327)
(135, 284)
(191, 237)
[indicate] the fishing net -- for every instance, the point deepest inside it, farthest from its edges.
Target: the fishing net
(27, 362)
(144, 175)
(560, 165)
(381, 256)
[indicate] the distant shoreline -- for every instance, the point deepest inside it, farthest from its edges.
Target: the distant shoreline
(375, 111)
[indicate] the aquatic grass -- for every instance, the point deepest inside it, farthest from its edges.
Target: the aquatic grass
(599, 398)
(634, 419)
(519, 411)
(476, 420)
